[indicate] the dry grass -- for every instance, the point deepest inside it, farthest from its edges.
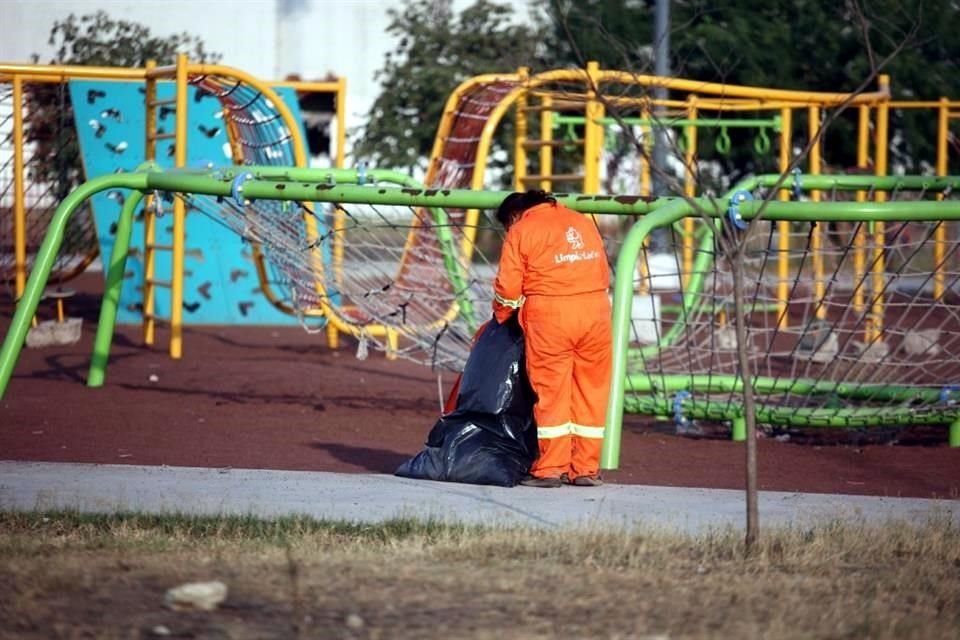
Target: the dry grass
(67, 575)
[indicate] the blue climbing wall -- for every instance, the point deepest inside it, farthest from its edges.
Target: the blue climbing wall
(220, 280)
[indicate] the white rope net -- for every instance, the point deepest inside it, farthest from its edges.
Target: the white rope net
(418, 272)
(45, 184)
(860, 321)
(432, 301)
(853, 322)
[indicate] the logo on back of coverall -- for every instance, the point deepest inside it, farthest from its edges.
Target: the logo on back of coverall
(574, 238)
(576, 243)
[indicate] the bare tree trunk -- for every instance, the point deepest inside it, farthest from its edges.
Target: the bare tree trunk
(743, 355)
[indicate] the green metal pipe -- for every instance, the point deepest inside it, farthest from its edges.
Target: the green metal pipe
(111, 292)
(724, 383)
(452, 263)
(701, 266)
(448, 246)
(670, 213)
(924, 210)
(454, 267)
(435, 199)
(622, 205)
(796, 416)
(774, 122)
(622, 304)
(691, 294)
(739, 428)
(405, 196)
(327, 179)
(43, 263)
(856, 182)
(301, 174)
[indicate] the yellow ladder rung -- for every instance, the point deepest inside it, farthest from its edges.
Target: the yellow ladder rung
(160, 103)
(164, 136)
(536, 144)
(159, 283)
(155, 317)
(534, 108)
(160, 247)
(562, 177)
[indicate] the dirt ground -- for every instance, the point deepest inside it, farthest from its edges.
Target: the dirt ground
(105, 577)
(278, 398)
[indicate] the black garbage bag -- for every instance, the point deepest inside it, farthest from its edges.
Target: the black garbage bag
(489, 437)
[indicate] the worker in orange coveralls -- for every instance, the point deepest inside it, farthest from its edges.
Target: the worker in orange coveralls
(553, 269)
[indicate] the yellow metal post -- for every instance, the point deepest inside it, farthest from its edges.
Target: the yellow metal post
(520, 136)
(875, 321)
(149, 217)
(546, 138)
(593, 132)
(179, 215)
(333, 333)
(689, 186)
(860, 239)
(940, 234)
(643, 287)
(19, 205)
(783, 226)
(646, 133)
(690, 157)
(816, 237)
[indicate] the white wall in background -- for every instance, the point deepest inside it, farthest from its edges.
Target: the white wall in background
(267, 38)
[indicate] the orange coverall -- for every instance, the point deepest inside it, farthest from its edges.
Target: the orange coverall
(554, 270)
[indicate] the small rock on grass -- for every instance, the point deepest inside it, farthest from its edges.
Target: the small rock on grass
(202, 596)
(354, 621)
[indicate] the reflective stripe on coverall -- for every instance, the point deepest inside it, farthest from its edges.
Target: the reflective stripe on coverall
(554, 269)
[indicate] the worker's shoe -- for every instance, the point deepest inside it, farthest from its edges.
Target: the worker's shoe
(542, 483)
(587, 481)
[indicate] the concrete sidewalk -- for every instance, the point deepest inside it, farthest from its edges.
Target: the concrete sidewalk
(27, 486)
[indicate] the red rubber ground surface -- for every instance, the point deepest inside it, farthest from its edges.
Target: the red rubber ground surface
(278, 398)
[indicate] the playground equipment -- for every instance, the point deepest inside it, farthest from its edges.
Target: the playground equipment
(476, 108)
(889, 357)
(837, 335)
(252, 117)
(583, 104)
(432, 307)
(586, 99)
(873, 335)
(26, 202)
(186, 114)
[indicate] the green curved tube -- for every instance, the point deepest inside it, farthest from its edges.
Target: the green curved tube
(713, 383)
(43, 263)
(622, 297)
(111, 292)
(793, 416)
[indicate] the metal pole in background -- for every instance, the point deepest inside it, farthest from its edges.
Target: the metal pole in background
(661, 68)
